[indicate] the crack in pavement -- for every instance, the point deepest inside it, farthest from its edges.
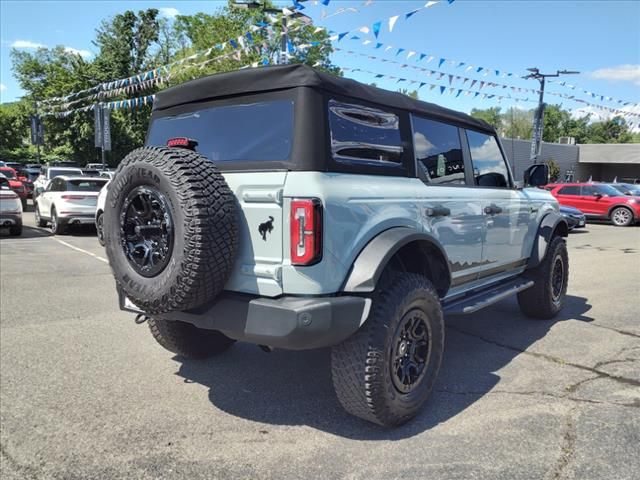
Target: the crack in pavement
(551, 358)
(567, 448)
(617, 330)
(25, 470)
(540, 394)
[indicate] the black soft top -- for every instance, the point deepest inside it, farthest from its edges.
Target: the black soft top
(281, 77)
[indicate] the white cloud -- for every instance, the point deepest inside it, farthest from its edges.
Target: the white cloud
(169, 12)
(422, 145)
(27, 44)
(3, 87)
(599, 115)
(82, 53)
(621, 73)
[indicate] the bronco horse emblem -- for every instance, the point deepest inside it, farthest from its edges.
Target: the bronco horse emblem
(266, 227)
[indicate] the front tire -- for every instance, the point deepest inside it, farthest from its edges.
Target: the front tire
(187, 340)
(546, 297)
(621, 217)
(385, 372)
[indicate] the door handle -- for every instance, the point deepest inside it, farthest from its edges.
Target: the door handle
(438, 211)
(492, 209)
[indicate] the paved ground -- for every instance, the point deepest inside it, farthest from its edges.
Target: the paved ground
(87, 393)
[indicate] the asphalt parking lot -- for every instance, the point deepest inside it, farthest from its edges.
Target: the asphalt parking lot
(87, 393)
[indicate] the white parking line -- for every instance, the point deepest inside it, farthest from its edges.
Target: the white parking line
(80, 250)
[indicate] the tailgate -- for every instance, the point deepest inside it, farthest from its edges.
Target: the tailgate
(259, 261)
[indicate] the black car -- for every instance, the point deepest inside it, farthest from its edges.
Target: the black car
(574, 217)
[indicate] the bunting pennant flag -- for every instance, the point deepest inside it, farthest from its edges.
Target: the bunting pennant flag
(376, 28)
(392, 22)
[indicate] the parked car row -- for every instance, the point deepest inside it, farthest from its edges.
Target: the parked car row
(10, 208)
(598, 201)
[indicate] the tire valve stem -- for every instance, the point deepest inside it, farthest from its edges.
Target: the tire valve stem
(141, 318)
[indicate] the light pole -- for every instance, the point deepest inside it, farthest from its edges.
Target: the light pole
(538, 122)
(253, 4)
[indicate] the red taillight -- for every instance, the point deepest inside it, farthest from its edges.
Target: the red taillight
(182, 142)
(73, 197)
(306, 231)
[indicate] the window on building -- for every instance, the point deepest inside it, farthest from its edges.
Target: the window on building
(489, 166)
(362, 134)
(438, 151)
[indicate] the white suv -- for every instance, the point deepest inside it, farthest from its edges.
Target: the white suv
(49, 173)
(68, 201)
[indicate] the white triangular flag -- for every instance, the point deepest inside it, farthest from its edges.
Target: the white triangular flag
(392, 22)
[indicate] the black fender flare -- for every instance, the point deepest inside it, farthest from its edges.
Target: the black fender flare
(551, 223)
(374, 257)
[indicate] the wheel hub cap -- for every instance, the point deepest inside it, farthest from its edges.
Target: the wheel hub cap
(146, 229)
(557, 279)
(410, 351)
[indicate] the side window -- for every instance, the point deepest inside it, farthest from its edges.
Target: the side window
(362, 134)
(572, 190)
(438, 151)
(51, 187)
(588, 190)
(489, 167)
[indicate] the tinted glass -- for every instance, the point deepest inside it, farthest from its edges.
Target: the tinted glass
(252, 132)
(363, 134)
(85, 185)
(489, 167)
(438, 151)
(602, 190)
(9, 173)
(573, 190)
(56, 172)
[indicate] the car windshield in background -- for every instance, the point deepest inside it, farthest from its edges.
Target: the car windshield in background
(85, 185)
(9, 173)
(56, 172)
(608, 190)
(251, 132)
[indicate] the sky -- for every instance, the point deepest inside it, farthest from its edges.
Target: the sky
(600, 39)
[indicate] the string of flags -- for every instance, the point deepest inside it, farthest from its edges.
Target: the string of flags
(455, 79)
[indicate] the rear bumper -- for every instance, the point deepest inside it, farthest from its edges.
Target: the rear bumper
(76, 219)
(293, 323)
(10, 219)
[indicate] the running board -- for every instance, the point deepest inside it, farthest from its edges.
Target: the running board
(479, 300)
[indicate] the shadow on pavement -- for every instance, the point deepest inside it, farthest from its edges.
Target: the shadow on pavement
(27, 232)
(295, 388)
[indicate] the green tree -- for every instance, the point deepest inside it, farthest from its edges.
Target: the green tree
(490, 115)
(518, 123)
(405, 91)
(554, 169)
(614, 130)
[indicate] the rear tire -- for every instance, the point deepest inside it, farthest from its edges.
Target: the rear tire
(39, 221)
(385, 372)
(187, 340)
(100, 228)
(621, 217)
(545, 299)
(56, 227)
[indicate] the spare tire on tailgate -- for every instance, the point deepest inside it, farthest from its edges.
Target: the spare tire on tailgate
(170, 229)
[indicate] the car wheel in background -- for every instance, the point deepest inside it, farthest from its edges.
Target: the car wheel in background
(15, 230)
(545, 298)
(24, 204)
(621, 217)
(386, 370)
(39, 221)
(99, 228)
(56, 227)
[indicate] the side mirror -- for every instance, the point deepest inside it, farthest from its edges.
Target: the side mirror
(536, 175)
(597, 194)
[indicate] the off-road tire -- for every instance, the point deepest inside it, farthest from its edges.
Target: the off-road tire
(57, 228)
(187, 340)
(621, 217)
(100, 228)
(205, 228)
(361, 365)
(15, 230)
(39, 220)
(539, 301)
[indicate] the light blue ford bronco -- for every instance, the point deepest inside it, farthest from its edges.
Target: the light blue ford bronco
(294, 209)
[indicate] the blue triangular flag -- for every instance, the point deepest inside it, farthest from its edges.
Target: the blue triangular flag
(409, 14)
(422, 55)
(477, 93)
(400, 50)
(379, 75)
(459, 92)
(376, 28)
(249, 37)
(442, 60)
(378, 45)
(442, 89)
(354, 37)
(342, 35)
(497, 73)
(460, 64)
(325, 2)
(479, 69)
(233, 43)
(422, 84)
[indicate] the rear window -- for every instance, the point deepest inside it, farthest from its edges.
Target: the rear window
(85, 185)
(362, 134)
(260, 131)
(56, 172)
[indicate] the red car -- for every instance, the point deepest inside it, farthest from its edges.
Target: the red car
(15, 184)
(598, 201)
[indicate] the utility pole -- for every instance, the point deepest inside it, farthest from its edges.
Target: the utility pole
(538, 122)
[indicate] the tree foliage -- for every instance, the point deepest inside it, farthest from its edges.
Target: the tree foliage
(491, 115)
(130, 43)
